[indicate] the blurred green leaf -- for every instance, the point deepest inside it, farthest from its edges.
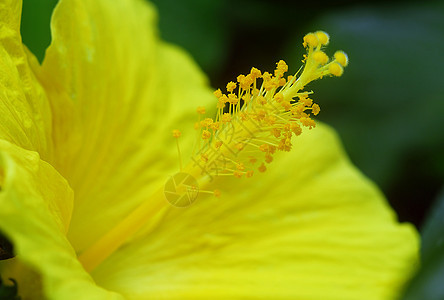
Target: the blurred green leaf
(35, 30)
(428, 282)
(433, 231)
(197, 25)
(388, 107)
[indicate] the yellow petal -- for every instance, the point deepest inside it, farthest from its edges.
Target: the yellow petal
(311, 227)
(35, 205)
(116, 92)
(43, 179)
(25, 115)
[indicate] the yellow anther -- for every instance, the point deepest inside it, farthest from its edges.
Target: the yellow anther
(263, 148)
(206, 122)
(341, 57)
(296, 129)
(281, 145)
(240, 166)
(278, 97)
(285, 145)
(271, 120)
(256, 73)
(206, 134)
(276, 132)
(323, 37)
(240, 78)
(238, 174)
(223, 98)
(305, 100)
(232, 98)
(218, 144)
(266, 76)
(307, 122)
(215, 125)
(253, 160)
(304, 115)
(282, 82)
(176, 133)
(246, 82)
(281, 68)
(268, 158)
(218, 93)
(262, 168)
(249, 174)
(311, 40)
(200, 110)
(204, 157)
(261, 100)
(272, 149)
(217, 193)
(220, 103)
(320, 57)
(231, 86)
(261, 114)
(298, 110)
(243, 116)
(315, 109)
(286, 105)
(335, 69)
(226, 118)
(271, 84)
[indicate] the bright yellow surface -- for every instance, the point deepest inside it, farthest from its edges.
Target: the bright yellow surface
(36, 203)
(86, 137)
(311, 227)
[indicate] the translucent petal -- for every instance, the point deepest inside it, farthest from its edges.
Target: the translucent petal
(311, 227)
(35, 206)
(116, 92)
(25, 115)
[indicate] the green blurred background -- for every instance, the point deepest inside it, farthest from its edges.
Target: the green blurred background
(388, 107)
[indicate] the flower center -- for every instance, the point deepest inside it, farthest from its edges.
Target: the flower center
(257, 117)
(259, 114)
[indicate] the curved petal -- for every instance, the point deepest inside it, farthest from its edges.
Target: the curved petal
(25, 115)
(35, 202)
(311, 227)
(115, 90)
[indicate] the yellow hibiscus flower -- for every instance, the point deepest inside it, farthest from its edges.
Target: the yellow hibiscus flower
(85, 139)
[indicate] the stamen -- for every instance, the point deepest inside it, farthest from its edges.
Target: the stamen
(176, 134)
(264, 114)
(270, 115)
